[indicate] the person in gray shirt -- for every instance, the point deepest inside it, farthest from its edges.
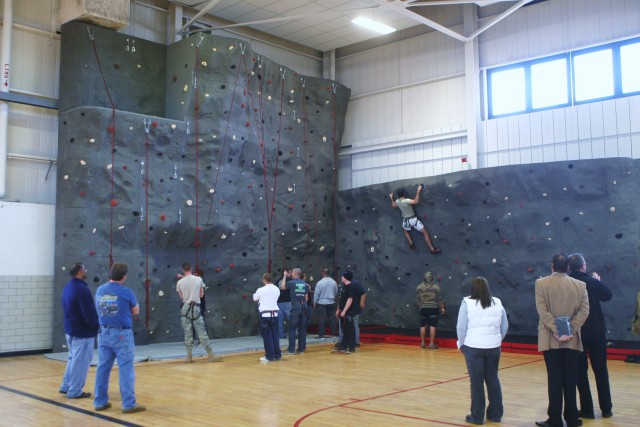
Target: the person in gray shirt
(324, 299)
(409, 218)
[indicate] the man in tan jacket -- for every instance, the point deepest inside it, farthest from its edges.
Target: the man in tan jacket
(559, 295)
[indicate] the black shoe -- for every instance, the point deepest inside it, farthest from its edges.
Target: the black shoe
(82, 395)
(544, 423)
(319, 337)
(62, 391)
(578, 424)
(607, 414)
(589, 416)
(470, 419)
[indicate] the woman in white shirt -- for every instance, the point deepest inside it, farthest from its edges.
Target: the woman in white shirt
(482, 324)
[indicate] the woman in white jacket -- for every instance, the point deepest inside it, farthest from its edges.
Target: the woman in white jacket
(482, 324)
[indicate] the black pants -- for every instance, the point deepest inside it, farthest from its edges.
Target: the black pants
(562, 378)
(348, 333)
(327, 311)
(596, 349)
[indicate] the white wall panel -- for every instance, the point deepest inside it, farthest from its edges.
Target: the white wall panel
(39, 14)
(32, 131)
(556, 26)
(35, 63)
(148, 23)
(369, 71)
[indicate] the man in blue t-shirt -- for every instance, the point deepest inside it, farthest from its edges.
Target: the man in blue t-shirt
(298, 317)
(80, 327)
(116, 305)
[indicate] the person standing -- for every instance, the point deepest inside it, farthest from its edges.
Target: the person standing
(324, 300)
(431, 306)
(359, 300)
(116, 304)
(284, 309)
(298, 320)
(560, 296)
(81, 327)
(482, 325)
(190, 288)
(594, 341)
(409, 218)
(345, 314)
(267, 298)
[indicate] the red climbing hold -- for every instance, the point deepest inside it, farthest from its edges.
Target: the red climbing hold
(125, 167)
(244, 296)
(199, 228)
(218, 269)
(111, 129)
(290, 206)
(247, 123)
(268, 82)
(82, 194)
(242, 106)
(506, 241)
(92, 253)
(114, 203)
(162, 217)
(439, 278)
(530, 269)
(232, 265)
(222, 202)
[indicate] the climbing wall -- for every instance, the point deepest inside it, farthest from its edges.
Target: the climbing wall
(501, 223)
(203, 152)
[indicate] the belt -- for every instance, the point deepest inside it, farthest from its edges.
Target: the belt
(114, 327)
(410, 217)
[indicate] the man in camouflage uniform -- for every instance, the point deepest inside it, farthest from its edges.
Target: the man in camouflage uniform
(190, 288)
(431, 306)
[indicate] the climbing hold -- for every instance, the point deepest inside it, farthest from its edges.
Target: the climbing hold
(83, 163)
(66, 177)
(324, 139)
(185, 88)
(109, 166)
(612, 209)
(224, 236)
(211, 191)
(189, 202)
(92, 140)
(160, 293)
(92, 253)
(493, 261)
(114, 203)
(121, 227)
(204, 63)
(162, 217)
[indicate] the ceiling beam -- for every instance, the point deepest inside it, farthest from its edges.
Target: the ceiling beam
(498, 18)
(204, 10)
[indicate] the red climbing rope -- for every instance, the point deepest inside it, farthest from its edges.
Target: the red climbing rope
(147, 282)
(334, 141)
(196, 242)
(111, 129)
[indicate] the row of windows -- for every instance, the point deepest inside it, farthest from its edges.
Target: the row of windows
(587, 75)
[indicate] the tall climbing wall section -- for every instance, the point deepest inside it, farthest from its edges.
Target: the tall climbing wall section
(203, 152)
(504, 224)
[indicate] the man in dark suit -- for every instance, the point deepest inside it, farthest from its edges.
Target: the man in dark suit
(593, 341)
(559, 295)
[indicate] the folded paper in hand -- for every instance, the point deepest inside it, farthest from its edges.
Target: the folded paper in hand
(563, 324)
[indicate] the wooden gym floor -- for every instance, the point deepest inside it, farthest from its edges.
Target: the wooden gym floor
(379, 385)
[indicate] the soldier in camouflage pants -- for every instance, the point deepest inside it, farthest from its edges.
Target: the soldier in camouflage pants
(190, 288)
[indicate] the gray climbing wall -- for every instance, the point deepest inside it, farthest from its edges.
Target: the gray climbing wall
(501, 223)
(202, 152)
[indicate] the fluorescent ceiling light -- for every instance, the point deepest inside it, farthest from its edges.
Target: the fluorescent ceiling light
(372, 25)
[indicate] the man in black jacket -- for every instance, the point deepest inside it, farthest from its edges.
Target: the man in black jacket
(593, 341)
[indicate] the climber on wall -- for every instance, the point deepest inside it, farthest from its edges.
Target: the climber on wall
(409, 219)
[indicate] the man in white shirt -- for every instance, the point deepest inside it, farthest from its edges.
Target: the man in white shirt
(267, 298)
(324, 299)
(190, 288)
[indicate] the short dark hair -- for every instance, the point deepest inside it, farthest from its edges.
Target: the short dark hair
(267, 277)
(400, 192)
(576, 261)
(186, 266)
(118, 271)
(348, 275)
(560, 263)
(75, 269)
(325, 271)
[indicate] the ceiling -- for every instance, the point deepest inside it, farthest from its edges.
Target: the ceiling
(326, 24)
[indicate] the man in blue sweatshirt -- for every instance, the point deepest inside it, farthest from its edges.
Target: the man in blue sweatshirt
(81, 327)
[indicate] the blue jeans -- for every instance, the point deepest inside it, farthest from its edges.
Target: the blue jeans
(298, 322)
(284, 312)
(80, 355)
(115, 344)
(269, 332)
(482, 364)
(356, 324)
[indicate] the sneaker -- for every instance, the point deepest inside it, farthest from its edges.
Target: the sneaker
(433, 346)
(137, 408)
(62, 391)
(265, 360)
(320, 337)
(102, 408)
(346, 352)
(82, 395)
(290, 353)
(336, 350)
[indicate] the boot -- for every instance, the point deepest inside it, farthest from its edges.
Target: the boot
(213, 358)
(189, 356)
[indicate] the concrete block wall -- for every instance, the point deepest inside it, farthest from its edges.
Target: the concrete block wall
(26, 313)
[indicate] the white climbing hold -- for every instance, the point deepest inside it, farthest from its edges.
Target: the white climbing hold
(506, 197)
(173, 126)
(211, 191)
(269, 98)
(295, 248)
(292, 91)
(231, 47)
(109, 166)
(181, 178)
(544, 194)
(139, 66)
(581, 213)
(214, 49)
(299, 167)
(66, 177)
(185, 88)
(189, 202)
(494, 261)
(94, 231)
(564, 188)
(299, 121)
(206, 95)
(92, 140)
(321, 248)
(63, 269)
(224, 236)
(289, 189)
(373, 249)
(615, 182)
(612, 209)
(130, 127)
(324, 139)
(204, 63)
(83, 163)
(547, 223)
(121, 227)
(160, 293)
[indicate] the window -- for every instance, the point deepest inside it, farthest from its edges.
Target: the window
(630, 67)
(593, 74)
(508, 91)
(549, 84)
(585, 75)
